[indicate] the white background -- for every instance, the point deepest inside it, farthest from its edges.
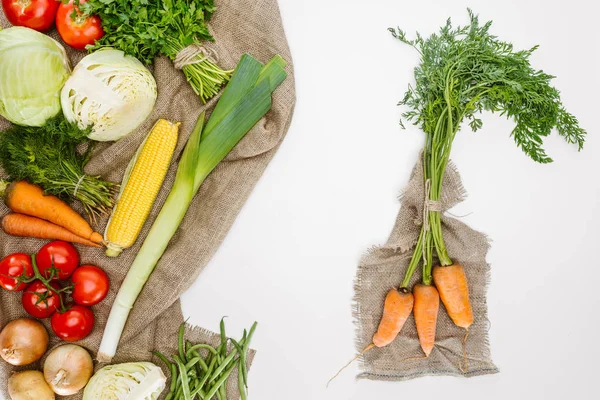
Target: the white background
(330, 193)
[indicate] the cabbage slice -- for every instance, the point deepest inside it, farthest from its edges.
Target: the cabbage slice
(33, 69)
(110, 91)
(130, 381)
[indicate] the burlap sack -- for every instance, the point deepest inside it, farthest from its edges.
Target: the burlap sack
(383, 268)
(239, 26)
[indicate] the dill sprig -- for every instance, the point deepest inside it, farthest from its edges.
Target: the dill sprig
(47, 156)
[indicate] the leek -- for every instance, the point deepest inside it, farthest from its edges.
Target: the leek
(245, 100)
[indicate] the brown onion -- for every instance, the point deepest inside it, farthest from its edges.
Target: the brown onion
(68, 369)
(29, 385)
(23, 341)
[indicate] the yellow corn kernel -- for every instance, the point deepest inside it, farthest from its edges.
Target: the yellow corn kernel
(142, 182)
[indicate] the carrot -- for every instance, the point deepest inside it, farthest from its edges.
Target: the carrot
(24, 198)
(26, 226)
(451, 282)
(396, 310)
(427, 304)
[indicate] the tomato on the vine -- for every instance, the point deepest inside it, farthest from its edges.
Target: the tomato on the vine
(61, 256)
(77, 30)
(74, 324)
(35, 14)
(13, 267)
(39, 302)
(90, 285)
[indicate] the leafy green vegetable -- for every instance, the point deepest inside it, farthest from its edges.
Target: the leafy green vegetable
(47, 156)
(464, 71)
(111, 92)
(146, 29)
(33, 69)
(136, 380)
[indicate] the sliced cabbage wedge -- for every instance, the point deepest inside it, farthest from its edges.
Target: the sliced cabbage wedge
(33, 69)
(110, 91)
(130, 381)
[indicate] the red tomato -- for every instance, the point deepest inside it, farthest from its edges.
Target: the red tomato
(12, 267)
(62, 256)
(74, 324)
(80, 31)
(34, 14)
(38, 301)
(90, 285)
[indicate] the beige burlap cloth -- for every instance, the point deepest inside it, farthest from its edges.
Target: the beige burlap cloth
(383, 268)
(239, 26)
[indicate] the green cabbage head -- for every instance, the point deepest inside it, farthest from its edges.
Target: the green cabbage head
(33, 69)
(111, 92)
(130, 381)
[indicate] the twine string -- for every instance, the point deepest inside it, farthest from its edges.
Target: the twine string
(78, 185)
(194, 54)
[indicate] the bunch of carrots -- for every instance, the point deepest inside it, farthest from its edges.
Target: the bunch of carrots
(44, 217)
(463, 71)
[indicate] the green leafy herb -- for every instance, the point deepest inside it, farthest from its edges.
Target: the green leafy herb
(464, 71)
(47, 156)
(146, 29)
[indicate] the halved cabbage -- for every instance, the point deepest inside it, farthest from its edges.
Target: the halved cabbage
(130, 381)
(110, 91)
(33, 69)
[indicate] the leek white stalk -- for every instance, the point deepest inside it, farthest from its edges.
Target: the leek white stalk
(244, 102)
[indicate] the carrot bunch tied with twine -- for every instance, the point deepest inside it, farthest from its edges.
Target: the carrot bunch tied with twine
(464, 71)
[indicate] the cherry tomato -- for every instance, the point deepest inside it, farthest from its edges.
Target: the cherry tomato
(12, 267)
(38, 301)
(35, 14)
(74, 324)
(80, 31)
(59, 255)
(90, 285)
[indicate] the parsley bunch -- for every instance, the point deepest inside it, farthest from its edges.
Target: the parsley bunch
(146, 29)
(464, 71)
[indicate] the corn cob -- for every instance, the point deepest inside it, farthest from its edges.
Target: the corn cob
(141, 184)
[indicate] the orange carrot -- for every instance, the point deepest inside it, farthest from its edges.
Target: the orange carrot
(427, 305)
(396, 310)
(25, 198)
(451, 282)
(26, 226)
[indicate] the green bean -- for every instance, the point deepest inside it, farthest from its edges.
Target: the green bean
(181, 342)
(184, 381)
(220, 382)
(223, 338)
(201, 346)
(224, 363)
(241, 386)
(240, 350)
(173, 378)
(246, 348)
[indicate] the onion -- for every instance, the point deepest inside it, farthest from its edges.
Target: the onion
(29, 385)
(68, 369)
(23, 341)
